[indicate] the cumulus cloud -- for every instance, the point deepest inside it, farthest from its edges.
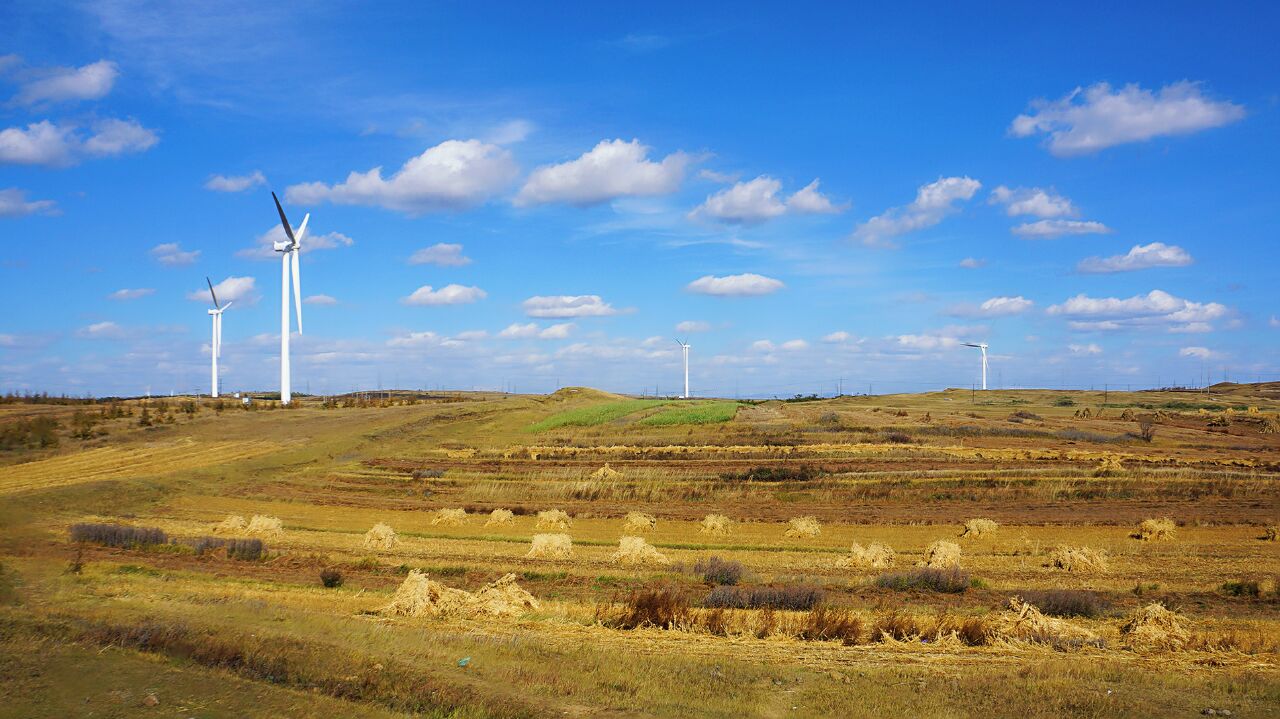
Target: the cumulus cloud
(693, 326)
(50, 144)
(415, 339)
(996, 307)
(102, 331)
(447, 295)
(531, 330)
(321, 300)
(1141, 257)
(1033, 201)
(131, 294)
(235, 183)
(757, 200)
(1197, 352)
(453, 175)
(1090, 119)
(238, 289)
(442, 254)
(794, 345)
(113, 137)
(972, 263)
(263, 248)
(1088, 350)
(763, 346)
(170, 254)
(1156, 308)
(1050, 229)
(563, 306)
(14, 203)
(933, 202)
(745, 285)
(927, 342)
(837, 337)
(612, 169)
(63, 84)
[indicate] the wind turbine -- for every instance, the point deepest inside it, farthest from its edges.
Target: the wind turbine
(216, 314)
(288, 256)
(685, 347)
(982, 346)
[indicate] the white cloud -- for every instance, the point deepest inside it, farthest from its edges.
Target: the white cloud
(235, 183)
(510, 132)
(808, 201)
(795, 345)
(763, 346)
(927, 342)
(531, 330)
(1049, 229)
(562, 306)
(837, 337)
(723, 178)
(61, 84)
(131, 294)
(264, 247)
(102, 331)
(1090, 119)
(14, 203)
(972, 263)
(46, 143)
(415, 339)
(239, 289)
(447, 295)
(693, 326)
(1088, 350)
(1033, 201)
(1197, 352)
(442, 254)
(322, 300)
(757, 200)
(557, 331)
(745, 285)
(452, 175)
(933, 202)
(113, 137)
(1002, 306)
(1156, 308)
(611, 169)
(1141, 257)
(170, 254)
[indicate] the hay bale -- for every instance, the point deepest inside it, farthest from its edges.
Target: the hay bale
(1152, 530)
(806, 527)
(979, 528)
(449, 517)
(715, 524)
(382, 536)
(419, 596)
(634, 552)
(876, 556)
(1083, 560)
(551, 546)
(1270, 425)
(1128, 415)
(639, 522)
(1109, 466)
(233, 524)
(606, 474)
(1154, 627)
(553, 519)
(941, 555)
(263, 526)
(499, 517)
(1025, 623)
(503, 598)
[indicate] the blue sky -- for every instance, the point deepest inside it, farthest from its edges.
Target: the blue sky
(515, 195)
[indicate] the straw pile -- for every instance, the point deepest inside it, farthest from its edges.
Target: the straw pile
(807, 526)
(941, 555)
(606, 474)
(1128, 415)
(500, 516)
(1271, 534)
(1024, 623)
(979, 528)
(1155, 529)
(1110, 466)
(876, 556)
(449, 517)
(1083, 560)
(634, 552)
(1270, 425)
(551, 546)
(553, 519)
(263, 526)
(382, 536)
(419, 596)
(233, 524)
(1154, 627)
(639, 522)
(715, 524)
(503, 598)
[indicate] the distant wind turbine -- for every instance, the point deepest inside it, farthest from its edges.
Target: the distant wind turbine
(216, 314)
(685, 347)
(982, 346)
(288, 256)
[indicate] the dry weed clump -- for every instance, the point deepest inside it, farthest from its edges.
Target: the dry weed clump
(382, 536)
(499, 517)
(606, 474)
(1270, 425)
(715, 525)
(979, 528)
(419, 596)
(233, 524)
(639, 522)
(634, 552)
(1156, 529)
(553, 519)
(1271, 534)
(1083, 560)
(805, 527)
(876, 556)
(1024, 623)
(263, 526)
(1109, 466)
(941, 555)
(551, 546)
(449, 517)
(1154, 627)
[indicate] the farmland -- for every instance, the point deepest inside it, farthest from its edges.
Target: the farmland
(834, 618)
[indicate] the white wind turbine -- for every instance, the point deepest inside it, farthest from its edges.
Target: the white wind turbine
(685, 347)
(982, 346)
(288, 256)
(216, 314)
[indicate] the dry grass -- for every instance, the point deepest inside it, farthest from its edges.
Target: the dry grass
(715, 524)
(382, 537)
(419, 596)
(553, 519)
(606, 474)
(876, 556)
(263, 526)
(979, 528)
(1109, 466)
(500, 517)
(805, 527)
(449, 517)
(551, 546)
(1082, 560)
(941, 555)
(639, 522)
(1151, 530)
(1154, 627)
(1024, 623)
(233, 524)
(1271, 534)
(635, 552)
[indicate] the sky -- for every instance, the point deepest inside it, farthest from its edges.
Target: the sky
(523, 196)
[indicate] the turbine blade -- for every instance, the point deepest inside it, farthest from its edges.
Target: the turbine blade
(283, 220)
(211, 292)
(302, 229)
(232, 302)
(297, 290)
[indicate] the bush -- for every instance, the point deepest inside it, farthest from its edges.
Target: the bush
(897, 438)
(118, 535)
(785, 473)
(719, 571)
(249, 550)
(428, 473)
(666, 607)
(1146, 431)
(203, 545)
(330, 578)
(1066, 602)
(1064, 402)
(948, 581)
(1023, 414)
(1241, 588)
(796, 597)
(826, 623)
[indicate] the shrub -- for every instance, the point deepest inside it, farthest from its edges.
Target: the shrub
(1023, 414)
(665, 607)
(784, 473)
(204, 545)
(806, 527)
(1146, 431)
(1242, 588)
(978, 528)
(1155, 529)
(1066, 602)
(118, 535)
(897, 437)
(249, 550)
(952, 580)
(1064, 402)
(941, 555)
(896, 625)
(330, 578)
(794, 597)
(827, 623)
(719, 571)
(428, 473)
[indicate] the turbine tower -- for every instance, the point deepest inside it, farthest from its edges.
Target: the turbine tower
(216, 314)
(288, 256)
(685, 347)
(982, 346)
